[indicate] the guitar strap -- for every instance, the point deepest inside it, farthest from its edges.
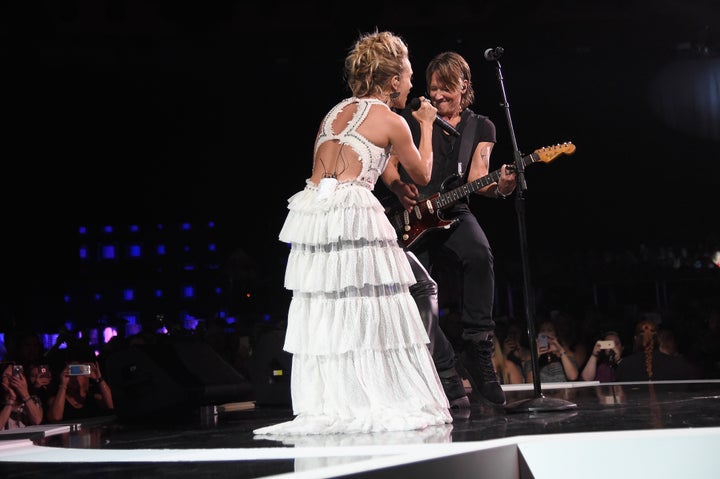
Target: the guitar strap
(466, 140)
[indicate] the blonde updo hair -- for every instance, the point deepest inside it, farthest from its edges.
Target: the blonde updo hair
(372, 61)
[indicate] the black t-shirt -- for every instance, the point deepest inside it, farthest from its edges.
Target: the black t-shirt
(448, 169)
(664, 368)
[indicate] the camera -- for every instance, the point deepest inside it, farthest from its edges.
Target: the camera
(79, 370)
(607, 344)
(44, 371)
(542, 340)
(17, 369)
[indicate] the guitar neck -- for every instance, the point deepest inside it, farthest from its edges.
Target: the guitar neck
(451, 197)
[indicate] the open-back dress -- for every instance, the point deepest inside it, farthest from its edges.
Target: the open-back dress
(360, 361)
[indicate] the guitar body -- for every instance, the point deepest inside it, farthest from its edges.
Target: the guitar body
(426, 215)
(411, 225)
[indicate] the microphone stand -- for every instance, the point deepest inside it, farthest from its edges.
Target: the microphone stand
(539, 402)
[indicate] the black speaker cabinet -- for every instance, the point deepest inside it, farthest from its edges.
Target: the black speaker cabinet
(158, 380)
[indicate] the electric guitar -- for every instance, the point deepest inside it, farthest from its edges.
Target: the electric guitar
(425, 216)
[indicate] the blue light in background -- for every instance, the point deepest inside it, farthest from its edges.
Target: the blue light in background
(108, 252)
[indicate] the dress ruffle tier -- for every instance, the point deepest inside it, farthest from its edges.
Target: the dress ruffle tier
(360, 357)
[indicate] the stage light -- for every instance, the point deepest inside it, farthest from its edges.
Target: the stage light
(108, 251)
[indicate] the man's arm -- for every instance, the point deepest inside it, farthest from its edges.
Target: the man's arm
(480, 167)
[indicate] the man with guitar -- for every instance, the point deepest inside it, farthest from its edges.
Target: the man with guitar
(447, 230)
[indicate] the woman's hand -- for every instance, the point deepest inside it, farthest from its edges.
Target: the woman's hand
(95, 371)
(554, 346)
(426, 112)
(20, 386)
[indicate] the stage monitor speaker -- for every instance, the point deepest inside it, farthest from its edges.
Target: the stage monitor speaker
(270, 368)
(159, 380)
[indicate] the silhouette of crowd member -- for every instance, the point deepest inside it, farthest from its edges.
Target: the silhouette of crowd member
(39, 377)
(706, 353)
(603, 362)
(513, 344)
(648, 363)
(25, 348)
(19, 407)
(567, 328)
(508, 372)
(667, 342)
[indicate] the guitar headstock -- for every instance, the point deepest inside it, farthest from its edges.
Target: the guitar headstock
(549, 153)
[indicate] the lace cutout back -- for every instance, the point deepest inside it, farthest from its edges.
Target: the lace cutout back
(372, 157)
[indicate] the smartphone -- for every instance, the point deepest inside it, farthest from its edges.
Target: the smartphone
(43, 371)
(79, 370)
(607, 344)
(17, 369)
(542, 340)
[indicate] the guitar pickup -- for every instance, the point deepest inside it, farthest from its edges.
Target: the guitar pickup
(430, 208)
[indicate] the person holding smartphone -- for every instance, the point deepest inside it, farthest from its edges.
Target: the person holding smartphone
(81, 392)
(605, 357)
(19, 407)
(555, 364)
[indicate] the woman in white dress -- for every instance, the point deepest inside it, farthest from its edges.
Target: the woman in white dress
(360, 358)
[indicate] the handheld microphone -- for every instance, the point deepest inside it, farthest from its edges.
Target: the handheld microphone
(494, 54)
(415, 104)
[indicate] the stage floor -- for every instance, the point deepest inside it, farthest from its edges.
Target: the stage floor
(613, 430)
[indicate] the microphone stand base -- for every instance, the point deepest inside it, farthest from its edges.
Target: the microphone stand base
(540, 404)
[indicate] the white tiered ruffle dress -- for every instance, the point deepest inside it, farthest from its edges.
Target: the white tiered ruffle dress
(360, 358)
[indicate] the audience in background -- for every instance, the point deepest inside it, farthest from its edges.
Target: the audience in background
(648, 363)
(19, 407)
(78, 396)
(25, 348)
(706, 343)
(506, 370)
(39, 377)
(514, 339)
(568, 330)
(603, 361)
(667, 342)
(555, 364)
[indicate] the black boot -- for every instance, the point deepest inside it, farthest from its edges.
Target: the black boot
(454, 389)
(476, 361)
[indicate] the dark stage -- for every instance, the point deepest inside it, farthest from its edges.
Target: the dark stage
(653, 430)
